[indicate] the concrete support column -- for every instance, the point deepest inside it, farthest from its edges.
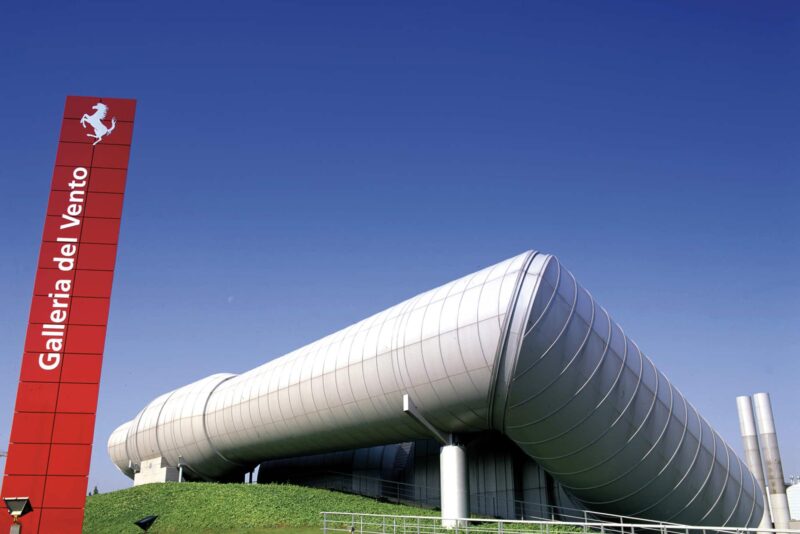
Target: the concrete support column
(752, 454)
(772, 460)
(454, 485)
(155, 470)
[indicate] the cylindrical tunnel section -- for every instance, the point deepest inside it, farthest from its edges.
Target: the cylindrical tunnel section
(772, 460)
(519, 347)
(589, 407)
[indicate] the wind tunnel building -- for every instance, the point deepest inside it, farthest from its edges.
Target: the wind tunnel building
(544, 401)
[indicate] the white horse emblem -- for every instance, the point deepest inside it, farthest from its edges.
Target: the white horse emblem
(96, 122)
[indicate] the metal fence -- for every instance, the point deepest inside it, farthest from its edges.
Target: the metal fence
(379, 488)
(496, 504)
(356, 523)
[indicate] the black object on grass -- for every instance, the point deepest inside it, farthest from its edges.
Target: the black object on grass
(146, 522)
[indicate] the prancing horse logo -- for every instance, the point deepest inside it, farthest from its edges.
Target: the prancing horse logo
(96, 122)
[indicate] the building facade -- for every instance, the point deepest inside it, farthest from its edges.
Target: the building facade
(516, 362)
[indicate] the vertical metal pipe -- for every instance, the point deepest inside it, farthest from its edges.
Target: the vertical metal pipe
(772, 460)
(752, 454)
(454, 494)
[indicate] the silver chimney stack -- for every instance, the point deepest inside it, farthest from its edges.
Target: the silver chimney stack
(772, 460)
(752, 454)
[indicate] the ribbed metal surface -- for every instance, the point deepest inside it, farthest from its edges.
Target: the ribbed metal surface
(345, 390)
(594, 411)
(518, 347)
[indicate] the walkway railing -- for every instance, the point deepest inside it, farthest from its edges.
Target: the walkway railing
(563, 513)
(500, 503)
(355, 523)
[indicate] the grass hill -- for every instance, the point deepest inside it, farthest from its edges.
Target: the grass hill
(226, 508)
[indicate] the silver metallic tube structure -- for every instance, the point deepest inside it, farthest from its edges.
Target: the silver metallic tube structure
(519, 347)
(772, 460)
(752, 453)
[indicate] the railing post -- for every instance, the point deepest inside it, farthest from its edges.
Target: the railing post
(325, 522)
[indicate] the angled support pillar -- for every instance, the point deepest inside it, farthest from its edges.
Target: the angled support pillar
(452, 471)
(772, 460)
(752, 454)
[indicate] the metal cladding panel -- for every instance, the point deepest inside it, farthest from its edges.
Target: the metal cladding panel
(345, 390)
(117, 447)
(519, 347)
(53, 424)
(593, 410)
(173, 427)
(793, 498)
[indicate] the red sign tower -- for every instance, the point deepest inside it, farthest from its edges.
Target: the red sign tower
(51, 435)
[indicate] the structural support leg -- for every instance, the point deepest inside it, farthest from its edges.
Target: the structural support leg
(752, 453)
(772, 460)
(452, 470)
(454, 489)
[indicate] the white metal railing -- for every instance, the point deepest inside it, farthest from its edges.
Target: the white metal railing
(489, 503)
(564, 513)
(357, 523)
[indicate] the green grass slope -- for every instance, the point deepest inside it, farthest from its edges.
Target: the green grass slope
(228, 508)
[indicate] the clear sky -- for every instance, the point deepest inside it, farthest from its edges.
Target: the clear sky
(298, 166)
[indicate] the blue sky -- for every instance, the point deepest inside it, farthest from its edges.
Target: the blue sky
(298, 166)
